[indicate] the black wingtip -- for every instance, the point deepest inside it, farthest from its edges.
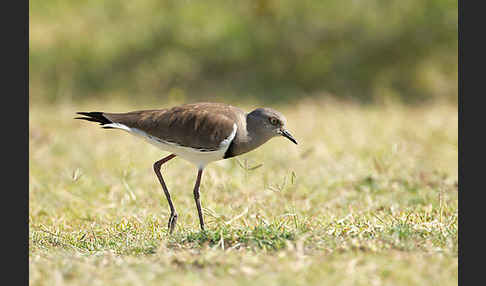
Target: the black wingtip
(94, 117)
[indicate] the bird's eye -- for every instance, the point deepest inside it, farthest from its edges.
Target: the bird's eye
(273, 121)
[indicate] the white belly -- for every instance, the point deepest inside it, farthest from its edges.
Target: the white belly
(195, 156)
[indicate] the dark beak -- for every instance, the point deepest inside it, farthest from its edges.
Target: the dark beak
(287, 135)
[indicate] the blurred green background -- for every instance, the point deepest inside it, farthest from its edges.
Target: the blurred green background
(260, 50)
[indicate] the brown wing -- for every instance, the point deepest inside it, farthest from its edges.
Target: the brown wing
(201, 126)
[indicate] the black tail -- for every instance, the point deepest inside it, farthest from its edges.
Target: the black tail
(95, 117)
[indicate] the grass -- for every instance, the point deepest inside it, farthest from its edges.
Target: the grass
(368, 197)
(269, 50)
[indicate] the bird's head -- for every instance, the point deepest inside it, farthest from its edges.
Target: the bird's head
(271, 123)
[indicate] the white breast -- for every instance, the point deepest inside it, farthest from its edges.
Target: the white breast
(198, 157)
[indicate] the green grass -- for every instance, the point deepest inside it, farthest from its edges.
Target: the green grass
(368, 197)
(268, 50)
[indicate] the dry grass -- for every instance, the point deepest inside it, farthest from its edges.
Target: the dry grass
(368, 197)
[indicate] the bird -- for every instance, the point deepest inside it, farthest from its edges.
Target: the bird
(199, 133)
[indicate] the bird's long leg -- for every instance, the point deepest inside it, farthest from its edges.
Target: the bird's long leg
(173, 214)
(196, 198)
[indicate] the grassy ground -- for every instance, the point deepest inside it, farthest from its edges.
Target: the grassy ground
(368, 197)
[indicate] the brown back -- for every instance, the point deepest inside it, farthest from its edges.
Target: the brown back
(198, 125)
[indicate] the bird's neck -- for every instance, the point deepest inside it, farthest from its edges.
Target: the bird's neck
(249, 136)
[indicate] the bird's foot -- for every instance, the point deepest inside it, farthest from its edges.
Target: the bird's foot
(172, 222)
